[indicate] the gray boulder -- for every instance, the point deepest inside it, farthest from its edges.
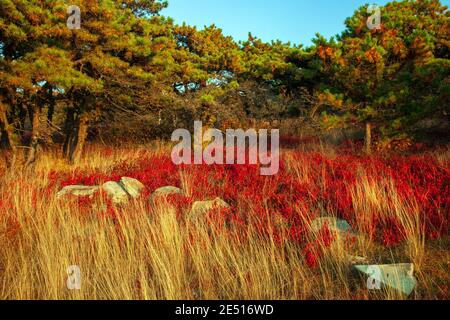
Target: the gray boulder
(132, 186)
(116, 192)
(165, 191)
(200, 208)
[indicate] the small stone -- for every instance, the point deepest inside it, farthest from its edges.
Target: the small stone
(115, 191)
(200, 208)
(132, 186)
(166, 191)
(78, 191)
(397, 276)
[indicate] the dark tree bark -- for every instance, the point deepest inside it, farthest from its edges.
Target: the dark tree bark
(7, 131)
(76, 129)
(7, 139)
(22, 117)
(69, 127)
(82, 132)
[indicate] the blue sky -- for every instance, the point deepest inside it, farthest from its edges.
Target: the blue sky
(296, 21)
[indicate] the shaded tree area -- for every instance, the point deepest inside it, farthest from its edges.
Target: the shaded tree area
(131, 72)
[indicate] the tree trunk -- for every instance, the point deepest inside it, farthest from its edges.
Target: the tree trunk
(69, 127)
(7, 139)
(22, 117)
(78, 146)
(368, 139)
(32, 154)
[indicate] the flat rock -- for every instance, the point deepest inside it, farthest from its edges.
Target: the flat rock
(132, 186)
(166, 191)
(116, 192)
(78, 191)
(397, 276)
(200, 208)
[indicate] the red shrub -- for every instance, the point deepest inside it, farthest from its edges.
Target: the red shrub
(259, 199)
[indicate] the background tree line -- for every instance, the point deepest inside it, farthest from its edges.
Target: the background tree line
(130, 72)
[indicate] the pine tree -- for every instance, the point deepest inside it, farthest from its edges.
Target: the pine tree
(374, 76)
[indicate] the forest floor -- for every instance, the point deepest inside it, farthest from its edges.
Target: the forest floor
(262, 247)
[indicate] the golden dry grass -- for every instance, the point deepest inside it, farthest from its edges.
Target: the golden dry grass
(153, 255)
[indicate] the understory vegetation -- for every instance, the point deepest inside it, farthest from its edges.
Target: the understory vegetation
(262, 247)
